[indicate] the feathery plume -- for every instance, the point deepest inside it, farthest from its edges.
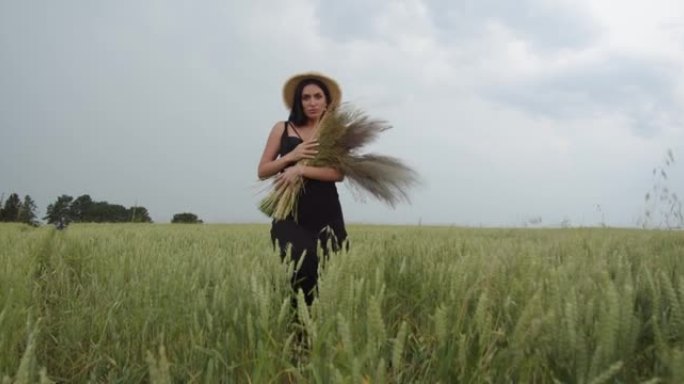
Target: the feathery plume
(342, 134)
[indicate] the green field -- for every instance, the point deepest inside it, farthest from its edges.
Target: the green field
(210, 303)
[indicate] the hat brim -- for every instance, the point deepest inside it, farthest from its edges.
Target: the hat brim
(291, 85)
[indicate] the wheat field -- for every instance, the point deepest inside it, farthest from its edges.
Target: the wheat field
(137, 303)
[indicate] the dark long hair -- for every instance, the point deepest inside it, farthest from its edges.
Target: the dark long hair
(297, 115)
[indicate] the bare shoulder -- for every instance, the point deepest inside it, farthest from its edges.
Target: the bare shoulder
(278, 127)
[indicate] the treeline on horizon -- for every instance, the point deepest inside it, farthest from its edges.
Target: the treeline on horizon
(15, 210)
(67, 210)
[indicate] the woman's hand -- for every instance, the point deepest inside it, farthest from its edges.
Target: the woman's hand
(305, 150)
(289, 176)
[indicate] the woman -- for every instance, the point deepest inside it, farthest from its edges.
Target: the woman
(319, 214)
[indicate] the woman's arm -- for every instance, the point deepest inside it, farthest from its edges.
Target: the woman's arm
(291, 174)
(321, 173)
(270, 164)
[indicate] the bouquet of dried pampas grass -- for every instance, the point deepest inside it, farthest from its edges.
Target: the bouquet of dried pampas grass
(341, 134)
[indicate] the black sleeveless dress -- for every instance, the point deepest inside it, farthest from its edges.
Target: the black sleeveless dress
(319, 222)
(319, 214)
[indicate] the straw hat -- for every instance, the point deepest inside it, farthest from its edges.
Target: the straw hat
(292, 82)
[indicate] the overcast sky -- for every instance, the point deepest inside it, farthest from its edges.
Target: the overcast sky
(509, 111)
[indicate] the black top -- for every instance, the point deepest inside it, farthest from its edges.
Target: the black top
(318, 205)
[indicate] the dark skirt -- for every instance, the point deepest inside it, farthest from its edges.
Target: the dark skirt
(319, 222)
(319, 219)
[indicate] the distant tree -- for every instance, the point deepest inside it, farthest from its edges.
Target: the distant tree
(10, 211)
(139, 214)
(27, 212)
(186, 218)
(117, 213)
(86, 210)
(103, 212)
(2, 207)
(80, 208)
(60, 211)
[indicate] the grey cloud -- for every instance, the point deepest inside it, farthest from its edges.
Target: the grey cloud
(636, 88)
(545, 27)
(348, 20)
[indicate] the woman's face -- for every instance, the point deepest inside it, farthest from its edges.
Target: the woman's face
(313, 101)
